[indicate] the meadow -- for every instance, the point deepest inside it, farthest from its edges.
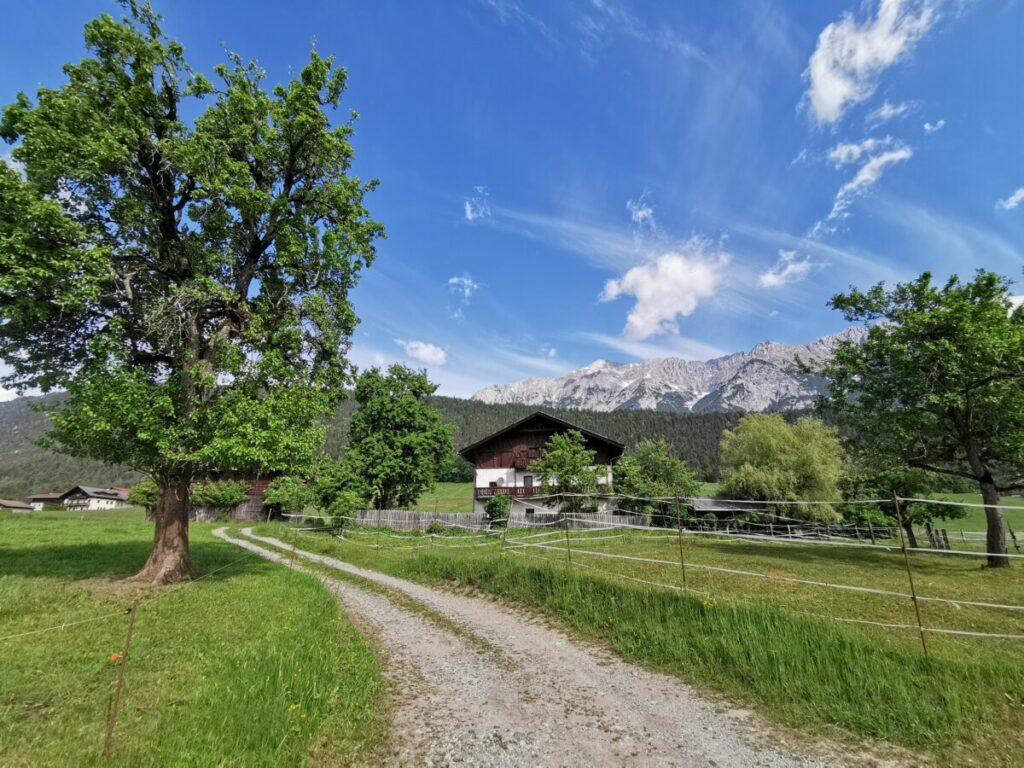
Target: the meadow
(770, 644)
(252, 664)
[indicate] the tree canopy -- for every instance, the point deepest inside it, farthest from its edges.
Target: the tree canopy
(649, 471)
(185, 280)
(567, 467)
(937, 383)
(396, 440)
(766, 459)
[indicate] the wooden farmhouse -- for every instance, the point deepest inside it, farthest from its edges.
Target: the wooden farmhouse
(502, 459)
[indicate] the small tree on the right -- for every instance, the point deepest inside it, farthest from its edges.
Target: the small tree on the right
(938, 383)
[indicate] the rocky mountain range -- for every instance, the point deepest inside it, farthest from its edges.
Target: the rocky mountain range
(767, 378)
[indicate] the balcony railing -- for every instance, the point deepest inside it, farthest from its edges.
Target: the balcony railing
(517, 491)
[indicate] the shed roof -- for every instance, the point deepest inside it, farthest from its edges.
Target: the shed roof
(9, 504)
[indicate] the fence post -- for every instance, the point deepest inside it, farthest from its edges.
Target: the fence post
(682, 559)
(568, 549)
(910, 576)
(115, 702)
(378, 527)
(1013, 536)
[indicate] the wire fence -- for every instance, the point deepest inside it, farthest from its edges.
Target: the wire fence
(589, 541)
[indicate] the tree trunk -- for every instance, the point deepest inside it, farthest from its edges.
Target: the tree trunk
(169, 560)
(995, 537)
(908, 528)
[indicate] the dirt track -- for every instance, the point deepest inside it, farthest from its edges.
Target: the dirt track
(504, 690)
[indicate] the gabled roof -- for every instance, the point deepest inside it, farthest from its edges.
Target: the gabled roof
(50, 496)
(8, 504)
(100, 493)
(542, 414)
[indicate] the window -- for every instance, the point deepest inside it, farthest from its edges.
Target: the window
(528, 481)
(493, 484)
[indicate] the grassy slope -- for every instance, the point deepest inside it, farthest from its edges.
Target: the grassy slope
(974, 520)
(447, 497)
(253, 665)
(752, 639)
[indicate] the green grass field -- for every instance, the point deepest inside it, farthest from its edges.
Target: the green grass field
(446, 497)
(761, 642)
(974, 518)
(252, 665)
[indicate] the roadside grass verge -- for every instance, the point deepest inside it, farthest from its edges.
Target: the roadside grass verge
(252, 665)
(965, 703)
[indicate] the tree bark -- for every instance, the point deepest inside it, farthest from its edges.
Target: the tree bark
(995, 537)
(908, 528)
(169, 560)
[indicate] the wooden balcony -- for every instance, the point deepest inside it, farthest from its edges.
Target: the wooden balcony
(508, 490)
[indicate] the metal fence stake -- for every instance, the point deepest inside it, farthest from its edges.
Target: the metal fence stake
(682, 558)
(116, 701)
(910, 575)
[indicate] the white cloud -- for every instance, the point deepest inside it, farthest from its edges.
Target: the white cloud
(788, 269)
(851, 54)
(845, 152)
(888, 111)
(667, 287)
(935, 127)
(14, 165)
(868, 174)
(641, 212)
(672, 346)
(548, 351)
(1013, 200)
(1016, 302)
(424, 352)
(463, 286)
(477, 207)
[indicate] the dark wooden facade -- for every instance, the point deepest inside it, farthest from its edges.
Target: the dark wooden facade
(521, 443)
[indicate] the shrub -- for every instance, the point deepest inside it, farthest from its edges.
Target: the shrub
(222, 495)
(497, 510)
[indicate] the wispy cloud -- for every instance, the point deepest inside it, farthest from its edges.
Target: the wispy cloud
(788, 269)
(668, 346)
(463, 286)
(425, 352)
(641, 211)
(888, 111)
(875, 163)
(935, 127)
(1011, 202)
(667, 287)
(512, 12)
(477, 207)
(852, 54)
(607, 19)
(845, 153)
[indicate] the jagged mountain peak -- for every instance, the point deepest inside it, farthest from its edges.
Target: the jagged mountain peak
(764, 379)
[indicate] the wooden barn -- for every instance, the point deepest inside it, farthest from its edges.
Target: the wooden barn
(502, 459)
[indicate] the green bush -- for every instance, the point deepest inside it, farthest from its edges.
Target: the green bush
(222, 495)
(497, 510)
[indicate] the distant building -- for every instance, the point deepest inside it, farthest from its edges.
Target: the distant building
(502, 459)
(40, 500)
(83, 497)
(14, 506)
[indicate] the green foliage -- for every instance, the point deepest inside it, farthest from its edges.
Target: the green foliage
(937, 384)
(220, 494)
(497, 509)
(568, 468)
(396, 440)
(185, 279)
(455, 469)
(344, 505)
(292, 495)
(766, 459)
(143, 494)
(648, 470)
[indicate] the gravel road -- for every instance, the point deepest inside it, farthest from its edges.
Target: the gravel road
(509, 690)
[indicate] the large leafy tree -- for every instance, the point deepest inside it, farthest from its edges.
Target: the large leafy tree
(766, 459)
(567, 469)
(397, 440)
(655, 479)
(177, 254)
(938, 383)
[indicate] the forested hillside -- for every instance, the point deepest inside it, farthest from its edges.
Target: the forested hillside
(27, 468)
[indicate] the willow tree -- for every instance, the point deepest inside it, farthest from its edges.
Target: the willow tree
(176, 252)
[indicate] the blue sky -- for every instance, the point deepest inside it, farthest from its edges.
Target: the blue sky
(589, 179)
